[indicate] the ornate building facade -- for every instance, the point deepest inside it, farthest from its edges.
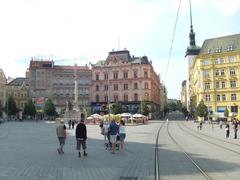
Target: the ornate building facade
(56, 82)
(125, 79)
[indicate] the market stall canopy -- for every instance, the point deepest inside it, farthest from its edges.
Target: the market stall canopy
(138, 116)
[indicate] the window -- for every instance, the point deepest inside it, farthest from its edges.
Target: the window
(97, 98)
(146, 97)
(233, 97)
(125, 98)
(233, 84)
(97, 76)
(232, 72)
(216, 61)
(135, 85)
(206, 73)
(218, 50)
(106, 98)
(145, 85)
(218, 97)
(207, 85)
(207, 97)
(230, 48)
(223, 97)
(209, 51)
(223, 84)
(125, 75)
(97, 87)
(232, 59)
(115, 97)
(105, 87)
(145, 74)
(217, 85)
(125, 86)
(135, 74)
(216, 72)
(205, 62)
(135, 97)
(222, 72)
(115, 87)
(221, 60)
(106, 76)
(115, 75)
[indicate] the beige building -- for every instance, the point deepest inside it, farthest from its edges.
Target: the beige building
(56, 82)
(214, 75)
(3, 82)
(126, 79)
(163, 99)
(19, 90)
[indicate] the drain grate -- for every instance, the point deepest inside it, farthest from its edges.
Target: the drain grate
(128, 178)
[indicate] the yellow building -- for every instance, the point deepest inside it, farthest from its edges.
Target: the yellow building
(19, 90)
(214, 75)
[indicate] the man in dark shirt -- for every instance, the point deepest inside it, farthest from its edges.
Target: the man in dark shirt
(113, 130)
(81, 137)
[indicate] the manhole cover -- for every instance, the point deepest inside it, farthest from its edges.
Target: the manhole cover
(128, 178)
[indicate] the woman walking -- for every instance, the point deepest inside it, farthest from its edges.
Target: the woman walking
(122, 133)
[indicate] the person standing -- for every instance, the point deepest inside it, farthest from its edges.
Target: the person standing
(81, 137)
(235, 129)
(73, 123)
(113, 130)
(227, 128)
(105, 131)
(69, 124)
(61, 134)
(122, 133)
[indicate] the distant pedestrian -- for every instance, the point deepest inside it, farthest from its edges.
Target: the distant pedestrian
(122, 133)
(235, 127)
(69, 124)
(105, 130)
(113, 130)
(73, 123)
(61, 134)
(81, 137)
(227, 128)
(221, 124)
(200, 125)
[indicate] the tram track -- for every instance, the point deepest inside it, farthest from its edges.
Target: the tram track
(156, 156)
(201, 170)
(215, 138)
(186, 130)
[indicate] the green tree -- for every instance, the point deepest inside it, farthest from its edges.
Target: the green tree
(116, 108)
(49, 108)
(172, 106)
(226, 113)
(29, 108)
(145, 109)
(193, 105)
(10, 106)
(178, 105)
(185, 111)
(202, 110)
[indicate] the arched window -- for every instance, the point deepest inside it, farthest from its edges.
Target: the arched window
(145, 85)
(97, 98)
(146, 97)
(135, 97)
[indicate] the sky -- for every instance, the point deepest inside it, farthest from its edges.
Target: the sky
(83, 32)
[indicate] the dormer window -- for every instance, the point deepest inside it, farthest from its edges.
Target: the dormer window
(230, 47)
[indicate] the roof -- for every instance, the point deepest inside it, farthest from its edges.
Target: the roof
(71, 67)
(119, 56)
(18, 82)
(221, 44)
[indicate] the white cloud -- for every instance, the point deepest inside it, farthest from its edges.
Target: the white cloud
(228, 7)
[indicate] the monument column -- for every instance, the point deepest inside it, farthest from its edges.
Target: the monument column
(75, 104)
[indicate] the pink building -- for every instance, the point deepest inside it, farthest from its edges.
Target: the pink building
(125, 79)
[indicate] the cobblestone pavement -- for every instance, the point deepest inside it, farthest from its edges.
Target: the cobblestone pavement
(28, 151)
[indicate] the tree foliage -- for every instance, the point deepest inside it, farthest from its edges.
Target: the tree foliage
(145, 109)
(116, 108)
(226, 113)
(49, 108)
(10, 106)
(185, 111)
(202, 110)
(29, 108)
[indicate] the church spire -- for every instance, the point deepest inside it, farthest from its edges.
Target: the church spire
(192, 48)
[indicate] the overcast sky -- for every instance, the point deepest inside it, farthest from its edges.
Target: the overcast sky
(78, 31)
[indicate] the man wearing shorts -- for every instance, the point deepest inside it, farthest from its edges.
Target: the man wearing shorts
(81, 137)
(113, 130)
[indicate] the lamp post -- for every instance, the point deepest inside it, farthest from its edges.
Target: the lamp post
(108, 76)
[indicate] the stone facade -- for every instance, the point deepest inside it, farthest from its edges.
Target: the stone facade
(48, 80)
(19, 90)
(125, 79)
(3, 82)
